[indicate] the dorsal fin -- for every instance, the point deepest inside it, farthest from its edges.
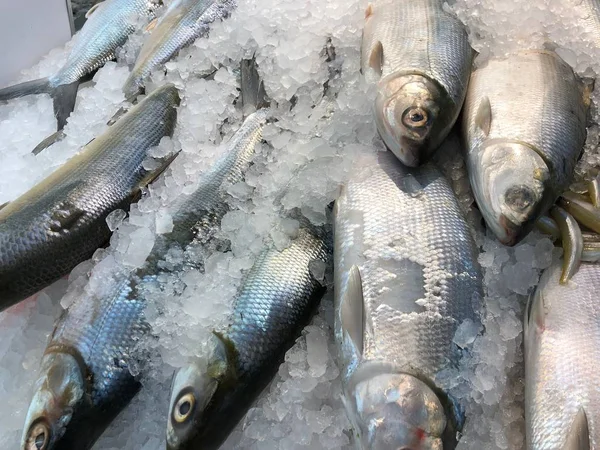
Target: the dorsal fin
(369, 11)
(352, 309)
(152, 25)
(376, 58)
(579, 434)
(483, 118)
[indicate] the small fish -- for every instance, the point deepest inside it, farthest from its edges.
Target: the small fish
(562, 361)
(181, 24)
(85, 378)
(110, 24)
(524, 126)
(61, 221)
(418, 55)
(406, 277)
(274, 303)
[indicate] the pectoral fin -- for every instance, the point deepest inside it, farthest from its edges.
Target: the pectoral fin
(92, 10)
(376, 58)
(154, 174)
(152, 25)
(352, 309)
(483, 118)
(579, 434)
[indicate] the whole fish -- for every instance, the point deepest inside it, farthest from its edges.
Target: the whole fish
(61, 221)
(524, 126)
(85, 379)
(182, 23)
(419, 57)
(406, 277)
(110, 24)
(562, 362)
(274, 303)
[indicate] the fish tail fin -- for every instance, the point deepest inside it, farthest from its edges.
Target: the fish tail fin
(63, 96)
(253, 95)
(41, 86)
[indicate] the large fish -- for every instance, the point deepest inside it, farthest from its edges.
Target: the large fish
(562, 362)
(419, 57)
(274, 303)
(60, 222)
(110, 24)
(85, 379)
(524, 126)
(181, 24)
(406, 277)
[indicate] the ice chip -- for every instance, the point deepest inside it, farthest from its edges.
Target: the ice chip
(115, 218)
(466, 333)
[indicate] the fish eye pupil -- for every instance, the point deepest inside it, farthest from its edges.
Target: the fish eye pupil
(184, 408)
(415, 117)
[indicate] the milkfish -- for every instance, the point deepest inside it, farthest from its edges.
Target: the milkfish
(275, 302)
(109, 25)
(524, 126)
(61, 221)
(181, 24)
(85, 378)
(562, 361)
(405, 278)
(418, 56)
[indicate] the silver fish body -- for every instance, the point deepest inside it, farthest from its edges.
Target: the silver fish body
(562, 362)
(182, 23)
(85, 378)
(419, 57)
(108, 28)
(274, 303)
(60, 222)
(524, 126)
(406, 276)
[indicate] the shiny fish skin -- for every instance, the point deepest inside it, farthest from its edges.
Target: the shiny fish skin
(406, 276)
(524, 126)
(419, 57)
(274, 303)
(102, 332)
(108, 28)
(60, 222)
(562, 361)
(182, 23)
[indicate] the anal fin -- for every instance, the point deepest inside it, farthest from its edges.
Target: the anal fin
(352, 312)
(579, 433)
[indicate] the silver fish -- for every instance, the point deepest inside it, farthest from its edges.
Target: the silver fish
(406, 276)
(182, 23)
(419, 57)
(562, 362)
(110, 24)
(60, 222)
(524, 125)
(85, 380)
(275, 301)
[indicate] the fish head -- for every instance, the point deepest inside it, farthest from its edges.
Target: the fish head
(398, 411)
(409, 113)
(511, 184)
(197, 392)
(58, 392)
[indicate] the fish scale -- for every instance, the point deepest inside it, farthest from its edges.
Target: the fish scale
(60, 222)
(181, 24)
(104, 330)
(562, 354)
(403, 233)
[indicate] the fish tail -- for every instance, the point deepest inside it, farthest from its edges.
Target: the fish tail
(63, 96)
(253, 94)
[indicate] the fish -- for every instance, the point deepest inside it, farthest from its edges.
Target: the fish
(109, 25)
(85, 378)
(562, 355)
(61, 221)
(181, 24)
(419, 58)
(274, 303)
(406, 277)
(524, 127)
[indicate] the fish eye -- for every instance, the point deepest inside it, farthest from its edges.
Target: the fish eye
(415, 117)
(39, 437)
(184, 408)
